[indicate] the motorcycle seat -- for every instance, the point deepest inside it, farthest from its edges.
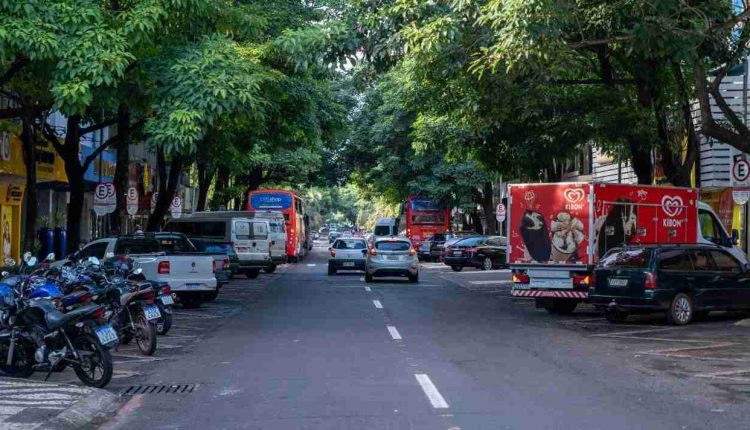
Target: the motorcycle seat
(56, 319)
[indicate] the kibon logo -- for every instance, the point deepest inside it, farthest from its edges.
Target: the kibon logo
(575, 197)
(672, 206)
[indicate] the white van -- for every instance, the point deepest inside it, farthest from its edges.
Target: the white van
(249, 237)
(276, 233)
(386, 227)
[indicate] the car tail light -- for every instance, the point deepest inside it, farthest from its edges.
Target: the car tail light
(650, 282)
(472, 250)
(373, 251)
(412, 251)
(333, 253)
(521, 278)
(583, 280)
(163, 268)
(225, 264)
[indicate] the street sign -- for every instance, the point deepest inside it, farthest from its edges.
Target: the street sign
(132, 201)
(741, 195)
(740, 171)
(105, 199)
(500, 212)
(176, 207)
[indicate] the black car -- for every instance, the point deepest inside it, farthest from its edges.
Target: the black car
(684, 281)
(482, 252)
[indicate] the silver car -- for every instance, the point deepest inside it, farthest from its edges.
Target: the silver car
(347, 253)
(392, 256)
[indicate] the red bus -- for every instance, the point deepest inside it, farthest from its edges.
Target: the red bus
(421, 218)
(298, 238)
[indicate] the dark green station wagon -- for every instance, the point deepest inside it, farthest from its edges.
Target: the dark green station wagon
(684, 281)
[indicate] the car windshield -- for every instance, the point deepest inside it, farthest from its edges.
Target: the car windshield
(627, 258)
(393, 245)
(350, 244)
(382, 230)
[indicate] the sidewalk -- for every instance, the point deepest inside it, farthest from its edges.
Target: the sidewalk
(28, 404)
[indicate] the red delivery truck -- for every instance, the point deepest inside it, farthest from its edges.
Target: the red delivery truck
(557, 232)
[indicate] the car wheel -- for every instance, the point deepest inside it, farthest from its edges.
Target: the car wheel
(616, 317)
(331, 270)
(457, 268)
(368, 278)
(270, 269)
(681, 310)
(487, 263)
(252, 273)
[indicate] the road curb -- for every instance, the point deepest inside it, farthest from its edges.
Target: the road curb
(85, 413)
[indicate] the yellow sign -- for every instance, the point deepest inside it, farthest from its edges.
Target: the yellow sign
(49, 166)
(11, 194)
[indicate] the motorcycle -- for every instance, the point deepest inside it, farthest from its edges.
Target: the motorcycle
(35, 335)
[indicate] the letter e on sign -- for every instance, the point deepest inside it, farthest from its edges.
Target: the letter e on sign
(740, 172)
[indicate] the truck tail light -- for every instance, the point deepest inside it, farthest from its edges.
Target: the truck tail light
(163, 268)
(650, 282)
(583, 280)
(225, 263)
(521, 278)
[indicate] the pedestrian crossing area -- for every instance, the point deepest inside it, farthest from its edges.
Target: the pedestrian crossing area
(26, 405)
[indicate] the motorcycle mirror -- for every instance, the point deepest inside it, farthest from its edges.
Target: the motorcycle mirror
(26, 256)
(4, 273)
(10, 262)
(137, 271)
(50, 257)
(31, 262)
(94, 261)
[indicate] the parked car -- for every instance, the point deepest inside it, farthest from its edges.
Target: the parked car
(220, 248)
(392, 256)
(423, 252)
(482, 252)
(191, 277)
(347, 253)
(450, 239)
(683, 281)
(332, 236)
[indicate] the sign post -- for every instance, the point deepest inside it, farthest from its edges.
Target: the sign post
(500, 212)
(740, 179)
(132, 201)
(176, 206)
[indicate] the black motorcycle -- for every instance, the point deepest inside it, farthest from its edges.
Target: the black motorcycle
(36, 336)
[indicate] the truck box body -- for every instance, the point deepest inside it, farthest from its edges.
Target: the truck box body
(576, 223)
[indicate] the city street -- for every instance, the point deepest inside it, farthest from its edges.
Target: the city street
(299, 349)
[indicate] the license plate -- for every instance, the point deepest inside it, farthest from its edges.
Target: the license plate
(167, 299)
(393, 257)
(106, 334)
(457, 253)
(349, 264)
(193, 286)
(152, 312)
(615, 282)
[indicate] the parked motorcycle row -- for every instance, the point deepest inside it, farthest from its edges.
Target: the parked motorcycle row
(55, 316)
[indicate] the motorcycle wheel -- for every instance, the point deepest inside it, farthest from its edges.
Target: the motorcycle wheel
(145, 335)
(23, 364)
(95, 368)
(164, 324)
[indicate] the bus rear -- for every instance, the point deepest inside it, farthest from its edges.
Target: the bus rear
(424, 218)
(287, 203)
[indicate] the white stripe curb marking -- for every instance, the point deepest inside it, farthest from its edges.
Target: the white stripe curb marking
(377, 304)
(368, 289)
(394, 333)
(432, 393)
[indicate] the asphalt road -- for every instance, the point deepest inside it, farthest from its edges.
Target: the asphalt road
(302, 350)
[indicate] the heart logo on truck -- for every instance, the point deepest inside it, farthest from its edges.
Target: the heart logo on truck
(574, 195)
(672, 206)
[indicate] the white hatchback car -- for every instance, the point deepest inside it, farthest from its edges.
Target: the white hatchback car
(347, 253)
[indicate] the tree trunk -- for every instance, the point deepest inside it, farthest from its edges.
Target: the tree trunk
(222, 183)
(167, 189)
(489, 208)
(477, 221)
(640, 161)
(122, 174)
(28, 139)
(74, 171)
(205, 177)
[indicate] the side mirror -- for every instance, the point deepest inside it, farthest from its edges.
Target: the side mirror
(26, 256)
(735, 236)
(31, 262)
(50, 257)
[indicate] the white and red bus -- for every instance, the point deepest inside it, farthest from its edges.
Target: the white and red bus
(298, 239)
(421, 218)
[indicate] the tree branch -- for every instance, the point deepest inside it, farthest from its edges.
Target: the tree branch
(52, 137)
(99, 126)
(99, 149)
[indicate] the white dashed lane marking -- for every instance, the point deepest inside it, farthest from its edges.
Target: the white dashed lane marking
(368, 289)
(394, 333)
(432, 393)
(311, 265)
(377, 304)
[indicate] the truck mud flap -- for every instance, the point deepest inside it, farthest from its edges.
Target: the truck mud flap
(552, 294)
